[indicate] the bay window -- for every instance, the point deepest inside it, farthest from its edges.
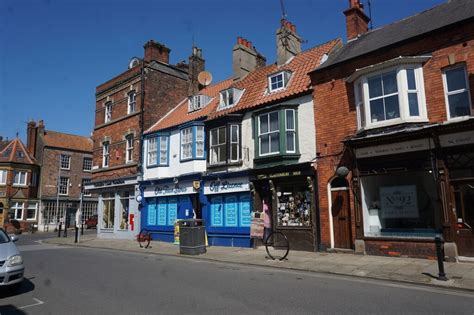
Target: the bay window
(192, 143)
(3, 177)
(456, 89)
(224, 144)
(19, 178)
(269, 133)
(158, 148)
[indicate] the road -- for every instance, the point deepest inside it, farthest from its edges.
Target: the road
(62, 280)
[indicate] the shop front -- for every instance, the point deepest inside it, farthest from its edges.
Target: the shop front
(165, 202)
(117, 209)
(228, 211)
(288, 192)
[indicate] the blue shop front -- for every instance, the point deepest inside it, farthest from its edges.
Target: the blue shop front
(227, 212)
(166, 202)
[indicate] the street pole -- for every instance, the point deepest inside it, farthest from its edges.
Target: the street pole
(440, 255)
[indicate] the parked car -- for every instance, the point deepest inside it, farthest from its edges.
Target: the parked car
(91, 222)
(11, 262)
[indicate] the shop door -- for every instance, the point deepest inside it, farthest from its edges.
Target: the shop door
(464, 198)
(341, 218)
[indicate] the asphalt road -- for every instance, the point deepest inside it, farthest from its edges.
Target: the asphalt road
(90, 281)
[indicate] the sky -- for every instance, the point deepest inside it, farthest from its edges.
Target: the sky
(53, 53)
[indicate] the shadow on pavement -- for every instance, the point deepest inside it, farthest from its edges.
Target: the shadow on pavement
(10, 310)
(25, 287)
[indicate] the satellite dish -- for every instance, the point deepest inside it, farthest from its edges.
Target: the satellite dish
(133, 62)
(204, 78)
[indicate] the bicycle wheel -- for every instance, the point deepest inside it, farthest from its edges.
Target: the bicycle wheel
(144, 238)
(277, 245)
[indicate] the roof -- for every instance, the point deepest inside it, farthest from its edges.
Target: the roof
(67, 141)
(255, 86)
(443, 15)
(15, 151)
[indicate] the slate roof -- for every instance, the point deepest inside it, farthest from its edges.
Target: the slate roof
(15, 151)
(452, 12)
(67, 141)
(255, 86)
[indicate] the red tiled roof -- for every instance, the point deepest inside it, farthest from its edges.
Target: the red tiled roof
(255, 85)
(67, 141)
(16, 152)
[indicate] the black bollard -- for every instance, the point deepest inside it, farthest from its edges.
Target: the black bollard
(82, 228)
(59, 230)
(65, 230)
(77, 232)
(440, 254)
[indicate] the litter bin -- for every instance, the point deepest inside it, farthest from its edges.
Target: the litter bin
(192, 237)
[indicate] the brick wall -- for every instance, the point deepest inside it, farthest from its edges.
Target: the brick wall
(425, 250)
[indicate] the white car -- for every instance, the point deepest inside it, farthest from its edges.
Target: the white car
(11, 262)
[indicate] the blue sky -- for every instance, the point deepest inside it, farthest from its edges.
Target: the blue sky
(53, 53)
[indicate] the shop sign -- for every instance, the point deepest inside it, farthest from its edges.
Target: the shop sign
(226, 186)
(282, 174)
(111, 183)
(394, 148)
(169, 190)
(454, 139)
(399, 202)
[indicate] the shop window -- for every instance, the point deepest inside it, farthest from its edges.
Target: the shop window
(400, 205)
(108, 211)
(192, 143)
(125, 199)
(162, 211)
(230, 210)
(456, 88)
(464, 201)
(294, 206)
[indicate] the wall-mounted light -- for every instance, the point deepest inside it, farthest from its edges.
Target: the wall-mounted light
(176, 180)
(342, 171)
(310, 183)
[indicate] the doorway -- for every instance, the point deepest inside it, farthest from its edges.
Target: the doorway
(1, 214)
(464, 203)
(340, 213)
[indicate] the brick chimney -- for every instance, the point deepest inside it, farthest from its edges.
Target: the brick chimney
(31, 137)
(357, 22)
(245, 58)
(196, 66)
(288, 42)
(156, 51)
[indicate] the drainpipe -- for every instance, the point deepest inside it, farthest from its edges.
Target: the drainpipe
(142, 105)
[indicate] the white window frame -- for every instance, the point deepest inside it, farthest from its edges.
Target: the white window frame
(152, 151)
(290, 131)
(449, 93)
(227, 98)
(87, 167)
(16, 207)
(285, 78)
(231, 142)
(84, 182)
(199, 141)
(65, 161)
(131, 102)
(105, 153)
(129, 148)
(29, 208)
(108, 112)
(217, 146)
(186, 143)
(163, 150)
(18, 175)
(3, 177)
(269, 133)
(61, 185)
(402, 90)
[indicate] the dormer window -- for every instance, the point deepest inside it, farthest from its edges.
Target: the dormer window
(197, 102)
(229, 97)
(278, 81)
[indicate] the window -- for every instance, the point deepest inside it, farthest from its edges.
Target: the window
(290, 131)
(456, 88)
(269, 133)
(3, 177)
(108, 111)
(108, 211)
(65, 162)
(105, 154)
(158, 150)
(278, 81)
(190, 135)
(85, 181)
(294, 205)
(197, 102)
(87, 164)
(390, 97)
(227, 98)
(131, 102)
(129, 148)
(63, 185)
(125, 199)
(224, 144)
(31, 211)
(20, 178)
(17, 209)
(34, 179)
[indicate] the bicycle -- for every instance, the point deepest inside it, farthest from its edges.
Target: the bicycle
(277, 245)
(144, 238)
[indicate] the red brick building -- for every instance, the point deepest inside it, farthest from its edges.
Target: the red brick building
(125, 106)
(66, 166)
(396, 161)
(19, 173)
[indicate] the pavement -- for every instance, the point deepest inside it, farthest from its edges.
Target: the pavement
(405, 270)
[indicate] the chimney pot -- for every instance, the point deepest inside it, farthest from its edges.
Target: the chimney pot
(357, 22)
(156, 51)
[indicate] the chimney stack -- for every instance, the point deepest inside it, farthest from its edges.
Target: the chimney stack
(196, 66)
(357, 22)
(156, 51)
(31, 137)
(288, 42)
(245, 58)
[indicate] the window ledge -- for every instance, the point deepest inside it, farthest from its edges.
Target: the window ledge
(276, 157)
(393, 122)
(215, 166)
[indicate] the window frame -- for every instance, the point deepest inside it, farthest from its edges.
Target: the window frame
(84, 182)
(196, 144)
(285, 78)
(218, 145)
(36, 211)
(105, 153)
(129, 148)
(16, 208)
(158, 140)
(108, 111)
(131, 102)
(61, 185)
(449, 93)
(65, 159)
(3, 177)
(362, 97)
(225, 97)
(268, 133)
(84, 164)
(20, 184)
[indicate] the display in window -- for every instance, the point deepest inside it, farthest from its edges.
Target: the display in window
(294, 208)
